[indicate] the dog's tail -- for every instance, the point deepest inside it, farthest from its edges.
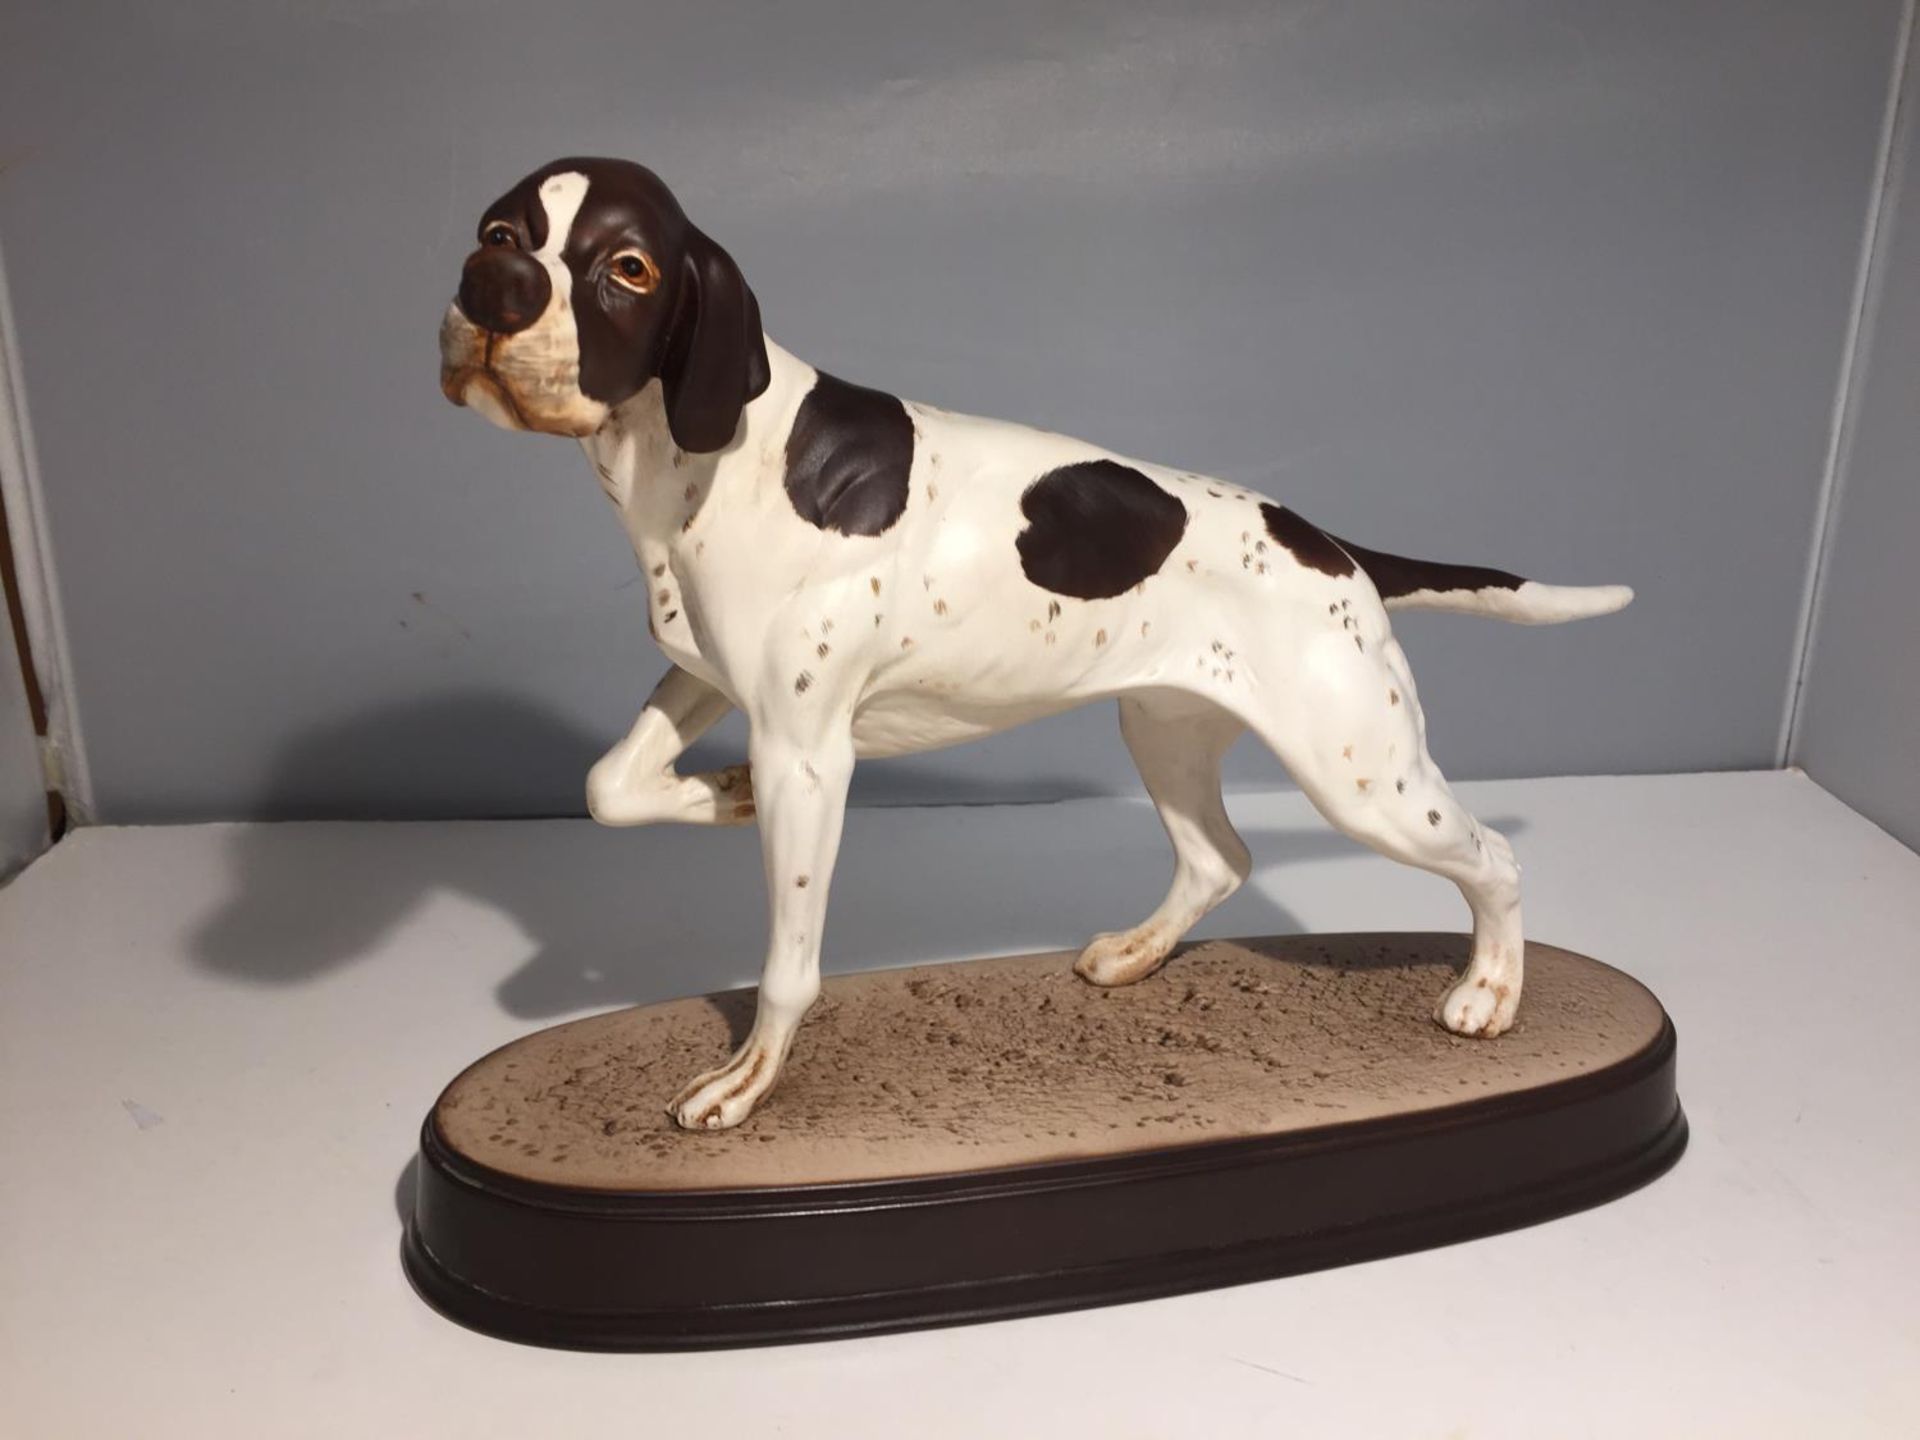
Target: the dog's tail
(1474, 590)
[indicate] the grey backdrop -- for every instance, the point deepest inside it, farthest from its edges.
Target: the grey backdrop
(1553, 285)
(1859, 724)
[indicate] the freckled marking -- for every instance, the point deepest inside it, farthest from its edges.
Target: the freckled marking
(876, 620)
(1259, 547)
(1034, 627)
(806, 769)
(664, 596)
(1192, 565)
(1393, 697)
(701, 548)
(875, 583)
(926, 582)
(1099, 637)
(1359, 644)
(826, 627)
(1053, 610)
(1051, 637)
(823, 649)
(686, 525)
(1333, 609)
(1365, 785)
(905, 641)
(690, 492)
(848, 456)
(800, 882)
(801, 682)
(1215, 493)
(1400, 786)
(1433, 817)
(1346, 604)
(1346, 752)
(668, 618)
(1096, 529)
(940, 607)
(1145, 625)
(659, 570)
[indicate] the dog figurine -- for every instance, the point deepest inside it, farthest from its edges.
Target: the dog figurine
(867, 576)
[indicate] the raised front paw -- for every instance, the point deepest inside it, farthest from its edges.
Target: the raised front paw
(1478, 1006)
(721, 1099)
(732, 795)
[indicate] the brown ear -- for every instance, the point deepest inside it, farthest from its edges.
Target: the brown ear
(716, 355)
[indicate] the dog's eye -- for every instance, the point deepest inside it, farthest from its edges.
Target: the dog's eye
(498, 234)
(635, 270)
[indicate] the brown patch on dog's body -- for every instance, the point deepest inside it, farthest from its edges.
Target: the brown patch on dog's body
(1096, 529)
(848, 457)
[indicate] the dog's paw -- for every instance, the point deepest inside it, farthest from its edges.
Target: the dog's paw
(1478, 1006)
(732, 795)
(1125, 956)
(721, 1099)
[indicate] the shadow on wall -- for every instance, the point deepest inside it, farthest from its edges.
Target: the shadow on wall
(619, 917)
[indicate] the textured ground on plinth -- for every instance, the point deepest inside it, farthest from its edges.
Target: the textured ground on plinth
(1016, 1061)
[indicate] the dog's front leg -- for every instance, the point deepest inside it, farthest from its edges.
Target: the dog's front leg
(801, 790)
(635, 783)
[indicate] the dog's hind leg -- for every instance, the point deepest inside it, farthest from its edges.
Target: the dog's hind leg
(1178, 743)
(634, 783)
(1353, 737)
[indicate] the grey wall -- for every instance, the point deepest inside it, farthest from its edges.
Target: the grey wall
(1858, 733)
(1553, 285)
(23, 796)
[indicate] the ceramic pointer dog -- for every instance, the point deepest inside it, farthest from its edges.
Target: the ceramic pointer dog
(863, 575)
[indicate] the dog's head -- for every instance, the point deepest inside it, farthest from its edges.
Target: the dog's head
(588, 284)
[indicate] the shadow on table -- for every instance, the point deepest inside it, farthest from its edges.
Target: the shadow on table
(619, 917)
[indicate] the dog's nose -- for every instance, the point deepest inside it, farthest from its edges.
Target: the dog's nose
(503, 290)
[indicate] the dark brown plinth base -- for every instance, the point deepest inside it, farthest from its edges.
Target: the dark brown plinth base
(963, 1142)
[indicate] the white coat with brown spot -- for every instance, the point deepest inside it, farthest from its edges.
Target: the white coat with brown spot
(920, 624)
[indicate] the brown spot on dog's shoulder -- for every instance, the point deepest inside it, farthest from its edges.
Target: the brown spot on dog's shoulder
(1433, 817)
(1096, 529)
(1306, 542)
(801, 682)
(848, 455)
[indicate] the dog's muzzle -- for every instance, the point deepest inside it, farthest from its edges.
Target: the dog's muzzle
(503, 291)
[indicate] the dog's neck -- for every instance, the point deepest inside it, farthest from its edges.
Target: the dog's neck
(635, 456)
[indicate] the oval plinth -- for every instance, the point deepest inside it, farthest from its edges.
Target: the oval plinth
(997, 1137)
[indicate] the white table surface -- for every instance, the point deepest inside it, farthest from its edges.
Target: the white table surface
(217, 1043)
